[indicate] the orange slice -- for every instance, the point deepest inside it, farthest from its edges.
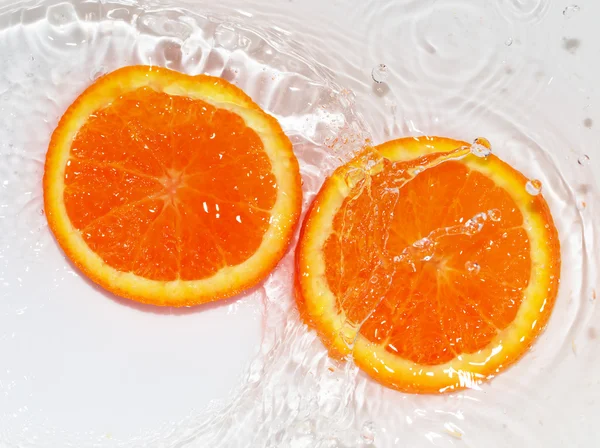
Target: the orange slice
(436, 278)
(171, 189)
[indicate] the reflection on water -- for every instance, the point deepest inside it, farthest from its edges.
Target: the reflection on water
(407, 67)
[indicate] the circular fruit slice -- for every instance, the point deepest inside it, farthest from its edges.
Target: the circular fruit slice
(435, 271)
(171, 189)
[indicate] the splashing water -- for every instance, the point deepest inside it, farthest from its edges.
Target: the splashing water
(421, 250)
(424, 249)
(273, 384)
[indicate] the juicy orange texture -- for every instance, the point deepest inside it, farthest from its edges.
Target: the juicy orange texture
(171, 187)
(438, 273)
(169, 169)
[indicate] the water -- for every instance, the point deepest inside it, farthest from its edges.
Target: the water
(571, 10)
(368, 433)
(472, 267)
(583, 160)
(448, 72)
(380, 73)
(481, 147)
(533, 187)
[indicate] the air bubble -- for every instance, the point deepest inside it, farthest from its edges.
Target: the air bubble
(583, 160)
(481, 147)
(533, 187)
(494, 215)
(472, 267)
(569, 11)
(368, 433)
(508, 42)
(380, 73)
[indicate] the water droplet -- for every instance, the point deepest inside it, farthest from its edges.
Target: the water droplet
(425, 248)
(380, 73)
(481, 147)
(583, 159)
(98, 72)
(533, 187)
(508, 42)
(494, 214)
(423, 242)
(368, 433)
(348, 333)
(569, 11)
(417, 170)
(474, 225)
(472, 267)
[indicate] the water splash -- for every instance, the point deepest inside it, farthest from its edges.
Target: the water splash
(472, 226)
(423, 250)
(327, 403)
(359, 181)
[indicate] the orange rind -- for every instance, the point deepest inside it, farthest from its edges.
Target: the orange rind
(434, 272)
(171, 189)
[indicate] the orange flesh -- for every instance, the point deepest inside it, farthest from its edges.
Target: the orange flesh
(428, 306)
(154, 182)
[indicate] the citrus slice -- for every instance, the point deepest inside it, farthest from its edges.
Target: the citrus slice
(171, 189)
(434, 271)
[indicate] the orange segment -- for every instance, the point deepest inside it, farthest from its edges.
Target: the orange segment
(434, 280)
(171, 189)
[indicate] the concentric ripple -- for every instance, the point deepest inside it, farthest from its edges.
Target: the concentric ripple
(529, 11)
(449, 72)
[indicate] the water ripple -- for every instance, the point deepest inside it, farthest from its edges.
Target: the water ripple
(528, 11)
(449, 72)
